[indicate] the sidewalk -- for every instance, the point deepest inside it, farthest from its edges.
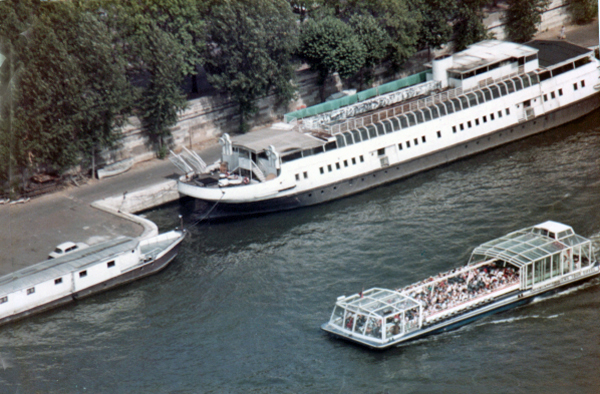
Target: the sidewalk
(583, 35)
(30, 231)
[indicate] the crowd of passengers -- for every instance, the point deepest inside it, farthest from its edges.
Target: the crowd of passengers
(460, 288)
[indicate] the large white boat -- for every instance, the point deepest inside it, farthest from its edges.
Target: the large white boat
(490, 94)
(84, 272)
(501, 274)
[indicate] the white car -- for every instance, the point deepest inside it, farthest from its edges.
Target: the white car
(65, 248)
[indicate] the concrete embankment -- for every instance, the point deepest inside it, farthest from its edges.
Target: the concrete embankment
(126, 205)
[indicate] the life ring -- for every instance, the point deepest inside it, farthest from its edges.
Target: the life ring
(246, 180)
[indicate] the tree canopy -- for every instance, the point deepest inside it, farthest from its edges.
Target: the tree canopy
(249, 49)
(522, 18)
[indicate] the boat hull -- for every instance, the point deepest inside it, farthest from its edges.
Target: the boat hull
(365, 181)
(139, 272)
(504, 303)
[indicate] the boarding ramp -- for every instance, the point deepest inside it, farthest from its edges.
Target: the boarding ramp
(188, 162)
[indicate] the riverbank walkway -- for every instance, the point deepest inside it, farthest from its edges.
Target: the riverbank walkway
(28, 232)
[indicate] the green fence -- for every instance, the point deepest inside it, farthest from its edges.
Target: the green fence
(360, 96)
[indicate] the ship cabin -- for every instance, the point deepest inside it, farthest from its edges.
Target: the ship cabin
(545, 254)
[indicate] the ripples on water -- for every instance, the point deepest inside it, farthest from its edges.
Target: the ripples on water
(240, 309)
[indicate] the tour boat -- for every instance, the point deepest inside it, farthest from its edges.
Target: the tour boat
(500, 274)
(84, 272)
(491, 93)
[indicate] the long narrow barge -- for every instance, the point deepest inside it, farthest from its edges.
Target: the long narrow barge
(501, 274)
(84, 272)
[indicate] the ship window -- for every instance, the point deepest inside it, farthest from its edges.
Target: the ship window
(472, 99)
(510, 85)
(499, 114)
(58, 281)
(575, 86)
(387, 125)
(330, 146)
(495, 91)
(31, 290)
(292, 156)
(582, 61)
(469, 123)
(349, 140)
(582, 83)
(3, 299)
(356, 135)
(416, 141)
(380, 129)
(364, 134)
(419, 115)
(454, 129)
(492, 116)
(449, 107)
(464, 102)
(427, 113)
(552, 95)
(503, 90)
(400, 146)
(477, 122)
(545, 97)
(345, 164)
(340, 141)
(487, 94)
(380, 151)
(372, 131)
(562, 69)
(403, 121)
(530, 58)
(457, 105)
(82, 274)
(462, 127)
(507, 111)
(545, 75)
(484, 119)
(337, 166)
(434, 112)
(329, 168)
(441, 108)
(353, 161)
(362, 159)
(411, 119)
(297, 177)
(439, 134)
(480, 98)
(395, 124)
(560, 92)
(307, 152)
(423, 139)
(321, 170)
(518, 83)
(408, 144)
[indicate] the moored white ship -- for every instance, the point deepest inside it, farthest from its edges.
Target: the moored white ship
(488, 95)
(84, 272)
(501, 274)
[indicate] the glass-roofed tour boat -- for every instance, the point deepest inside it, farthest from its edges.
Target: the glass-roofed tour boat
(501, 274)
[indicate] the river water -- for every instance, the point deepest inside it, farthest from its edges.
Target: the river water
(239, 310)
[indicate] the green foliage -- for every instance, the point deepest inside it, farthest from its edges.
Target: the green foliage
(373, 37)
(468, 27)
(250, 43)
(435, 28)
(522, 17)
(329, 45)
(583, 11)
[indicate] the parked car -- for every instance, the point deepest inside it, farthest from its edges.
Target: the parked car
(65, 248)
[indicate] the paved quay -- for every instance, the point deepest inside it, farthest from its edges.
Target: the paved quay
(30, 231)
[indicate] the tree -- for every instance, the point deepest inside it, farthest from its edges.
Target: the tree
(468, 27)
(375, 40)
(329, 45)
(250, 44)
(522, 17)
(435, 28)
(583, 11)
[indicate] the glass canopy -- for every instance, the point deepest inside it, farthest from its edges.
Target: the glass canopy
(524, 246)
